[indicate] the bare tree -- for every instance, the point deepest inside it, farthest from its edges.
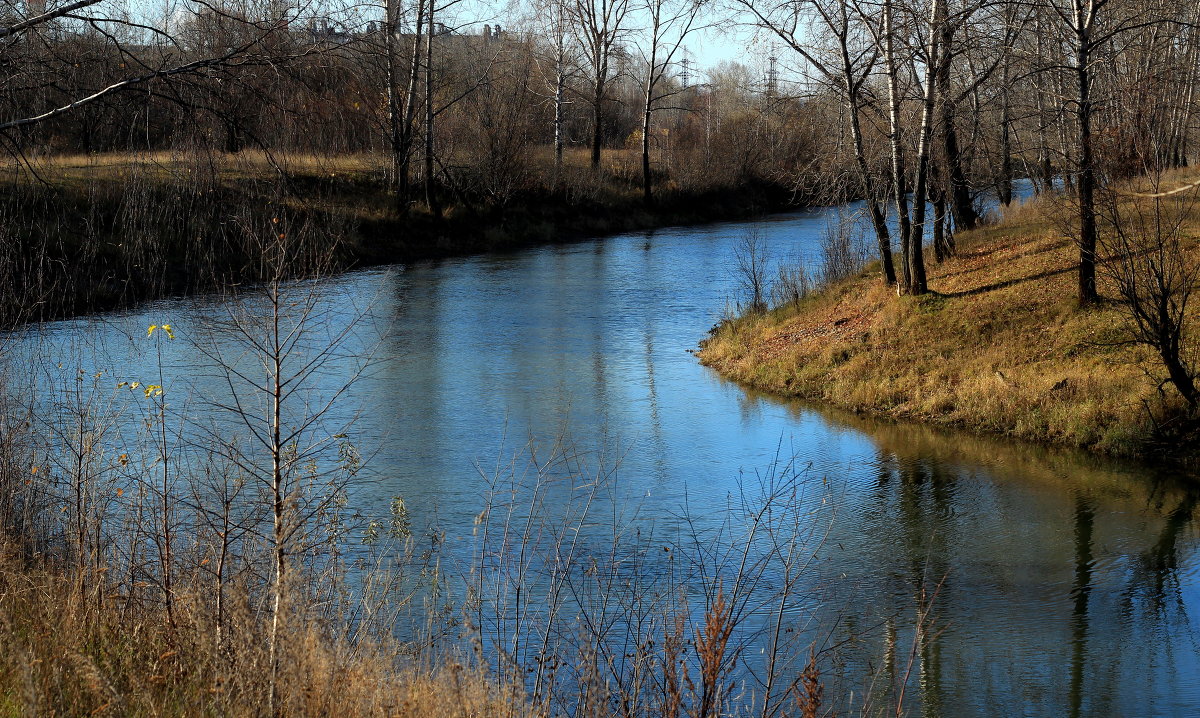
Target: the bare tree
(1155, 278)
(853, 60)
(1081, 19)
(968, 48)
(912, 228)
(599, 26)
(558, 20)
(271, 353)
(149, 54)
(431, 195)
(402, 99)
(670, 22)
(1090, 26)
(750, 257)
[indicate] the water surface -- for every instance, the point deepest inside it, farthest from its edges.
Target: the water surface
(1069, 585)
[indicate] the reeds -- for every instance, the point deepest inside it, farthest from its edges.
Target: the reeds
(564, 609)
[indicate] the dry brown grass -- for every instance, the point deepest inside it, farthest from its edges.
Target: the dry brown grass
(114, 163)
(348, 185)
(77, 652)
(617, 163)
(1000, 344)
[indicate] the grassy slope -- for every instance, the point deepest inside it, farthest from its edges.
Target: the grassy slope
(999, 346)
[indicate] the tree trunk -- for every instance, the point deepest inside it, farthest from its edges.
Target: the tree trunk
(278, 494)
(393, 99)
(1181, 378)
(1184, 121)
(1060, 89)
(898, 182)
(916, 255)
(939, 244)
(959, 192)
(648, 98)
(647, 195)
(1004, 185)
(431, 196)
(1086, 182)
(402, 109)
(597, 122)
(883, 238)
(1044, 166)
(560, 86)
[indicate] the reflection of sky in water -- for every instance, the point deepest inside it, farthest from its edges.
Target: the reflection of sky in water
(1070, 585)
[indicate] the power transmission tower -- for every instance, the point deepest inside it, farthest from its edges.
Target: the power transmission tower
(772, 75)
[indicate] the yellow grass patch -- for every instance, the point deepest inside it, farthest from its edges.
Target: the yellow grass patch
(999, 345)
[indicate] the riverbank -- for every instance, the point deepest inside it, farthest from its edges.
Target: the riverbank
(998, 346)
(105, 231)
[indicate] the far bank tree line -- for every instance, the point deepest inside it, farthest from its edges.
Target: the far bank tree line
(905, 103)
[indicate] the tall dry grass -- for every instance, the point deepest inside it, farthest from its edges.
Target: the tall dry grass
(90, 649)
(561, 609)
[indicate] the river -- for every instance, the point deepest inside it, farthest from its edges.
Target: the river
(1060, 583)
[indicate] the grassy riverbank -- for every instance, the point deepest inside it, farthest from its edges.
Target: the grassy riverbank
(999, 345)
(91, 232)
(353, 190)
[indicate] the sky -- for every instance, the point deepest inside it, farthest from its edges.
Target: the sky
(707, 47)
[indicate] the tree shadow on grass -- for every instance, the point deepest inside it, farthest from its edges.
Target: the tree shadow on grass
(1010, 282)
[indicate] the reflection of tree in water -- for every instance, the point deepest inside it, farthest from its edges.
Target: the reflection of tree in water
(1081, 589)
(1086, 564)
(1152, 583)
(1154, 577)
(662, 468)
(1153, 603)
(923, 497)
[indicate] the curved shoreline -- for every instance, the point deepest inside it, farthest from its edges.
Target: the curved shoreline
(997, 347)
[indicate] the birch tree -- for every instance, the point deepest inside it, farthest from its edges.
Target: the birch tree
(402, 92)
(669, 24)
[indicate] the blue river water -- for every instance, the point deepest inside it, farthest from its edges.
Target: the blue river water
(1060, 583)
